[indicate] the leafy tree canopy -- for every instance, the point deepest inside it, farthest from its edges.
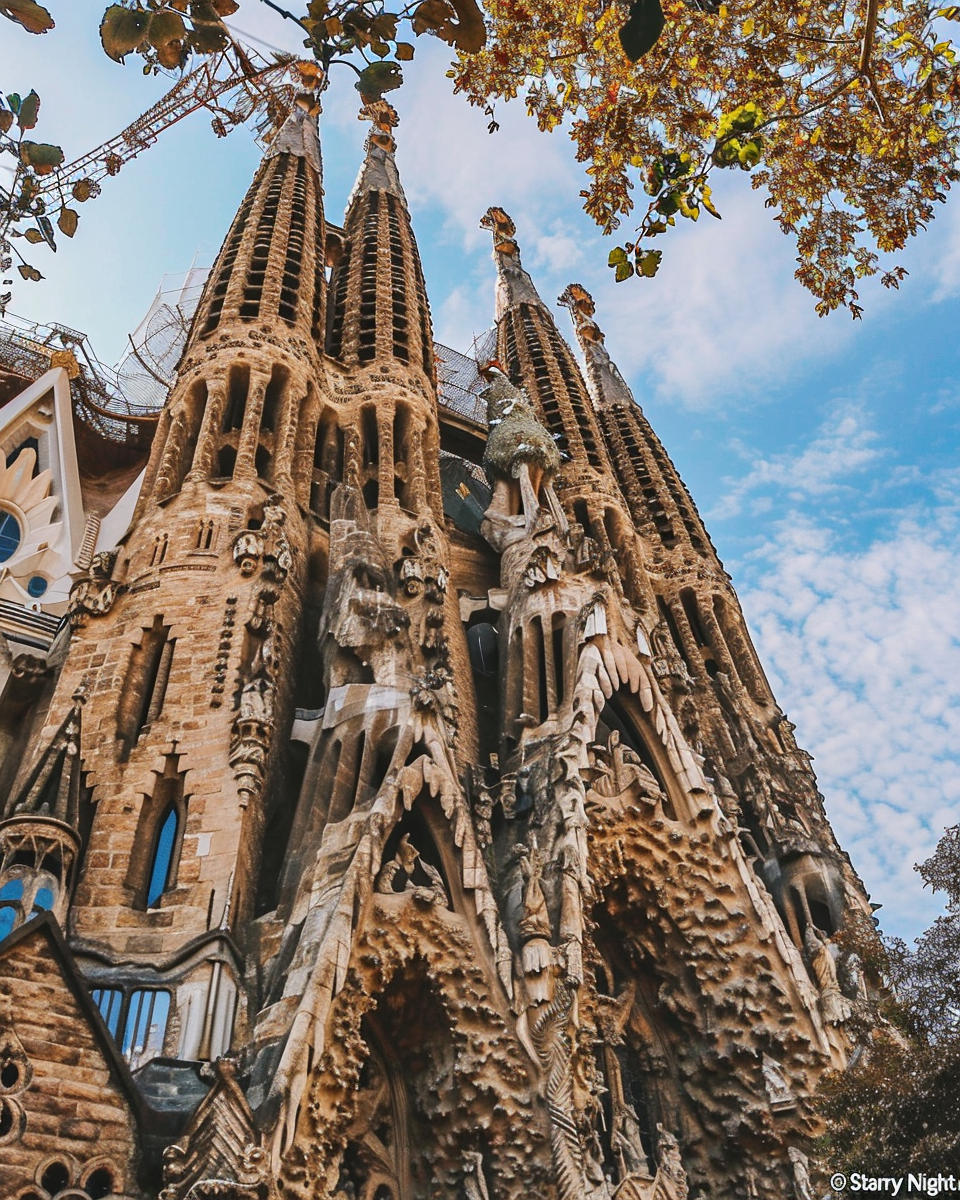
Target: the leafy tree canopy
(897, 1109)
(845, 112)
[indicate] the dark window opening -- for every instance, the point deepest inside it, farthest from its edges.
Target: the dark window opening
(55, 1178)
(99, 1184)
(668, 617)
(540, 653)
(237, 390)
(689, 601)
(484, 646)
(559, 664)
(272, 398)
(276, 837)
(226, 462)
(142, 696)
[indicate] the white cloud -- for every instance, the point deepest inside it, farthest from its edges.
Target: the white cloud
(863, 651)
(845, 446)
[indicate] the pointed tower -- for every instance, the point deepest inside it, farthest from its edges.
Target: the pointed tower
(184, 638)
(418, 836)
(534, 355)
(706, 657)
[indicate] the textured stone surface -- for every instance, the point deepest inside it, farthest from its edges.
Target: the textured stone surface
(492, 869)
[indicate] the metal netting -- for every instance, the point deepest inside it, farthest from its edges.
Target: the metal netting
(458, 377)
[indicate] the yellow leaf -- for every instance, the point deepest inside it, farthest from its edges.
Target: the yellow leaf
(747, 26)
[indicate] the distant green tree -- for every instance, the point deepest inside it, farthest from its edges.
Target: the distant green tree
(897, 1109)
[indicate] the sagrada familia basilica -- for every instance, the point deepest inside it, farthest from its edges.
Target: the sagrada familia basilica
(392, 803)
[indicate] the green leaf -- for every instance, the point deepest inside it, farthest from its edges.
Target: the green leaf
(208, 39)
(29, 110)
(33, 17)
(67, 222)
(648, 264)
(378, 78)
(624, 271)
(14, 101)
(642, 29)
(616, 256)
(43, 157)
(122, 30)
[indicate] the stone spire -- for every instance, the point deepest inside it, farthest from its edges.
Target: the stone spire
(229, 416)
(380, 309)
(658, 496)
(271, 265)
(534, 354)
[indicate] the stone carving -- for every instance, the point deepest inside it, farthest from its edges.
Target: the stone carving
(404, 868)
(802, 1187)
(778, 1090)
(474, 1183)
(671, 1177)
(618, 769)
(94, 592)
(627, 1146)
(820, 951)
(266, 547)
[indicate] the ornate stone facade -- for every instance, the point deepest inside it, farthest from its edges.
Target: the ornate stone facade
(402, 810)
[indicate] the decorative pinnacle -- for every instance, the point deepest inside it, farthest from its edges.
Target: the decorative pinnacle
(578, 300)
(385, 119)
(607, 386)
(515, 286)
(300, 134)
(379, 171)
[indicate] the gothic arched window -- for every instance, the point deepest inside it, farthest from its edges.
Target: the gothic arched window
(162, 867)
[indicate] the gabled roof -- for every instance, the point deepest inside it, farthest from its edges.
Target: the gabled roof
(46, 928)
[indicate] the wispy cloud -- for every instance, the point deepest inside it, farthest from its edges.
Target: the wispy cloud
(845, 447)
(863, 650)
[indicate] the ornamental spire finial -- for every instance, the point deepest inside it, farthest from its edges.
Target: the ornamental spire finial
(607, 385)
(514, 285)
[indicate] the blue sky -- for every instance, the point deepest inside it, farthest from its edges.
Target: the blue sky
(822, 453)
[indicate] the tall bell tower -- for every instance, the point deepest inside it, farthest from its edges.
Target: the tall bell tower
(404, 814)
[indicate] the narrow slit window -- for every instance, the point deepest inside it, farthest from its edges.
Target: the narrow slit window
(161, 870)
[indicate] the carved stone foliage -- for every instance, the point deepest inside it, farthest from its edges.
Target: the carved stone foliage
(420, 1058)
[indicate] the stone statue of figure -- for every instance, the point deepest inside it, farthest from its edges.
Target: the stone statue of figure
(535, 922)
(671, 1177)
(256, 700)
(802, 1188)
(534, 926)
(404, 863)
(627, 1144)
(836, 1007)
